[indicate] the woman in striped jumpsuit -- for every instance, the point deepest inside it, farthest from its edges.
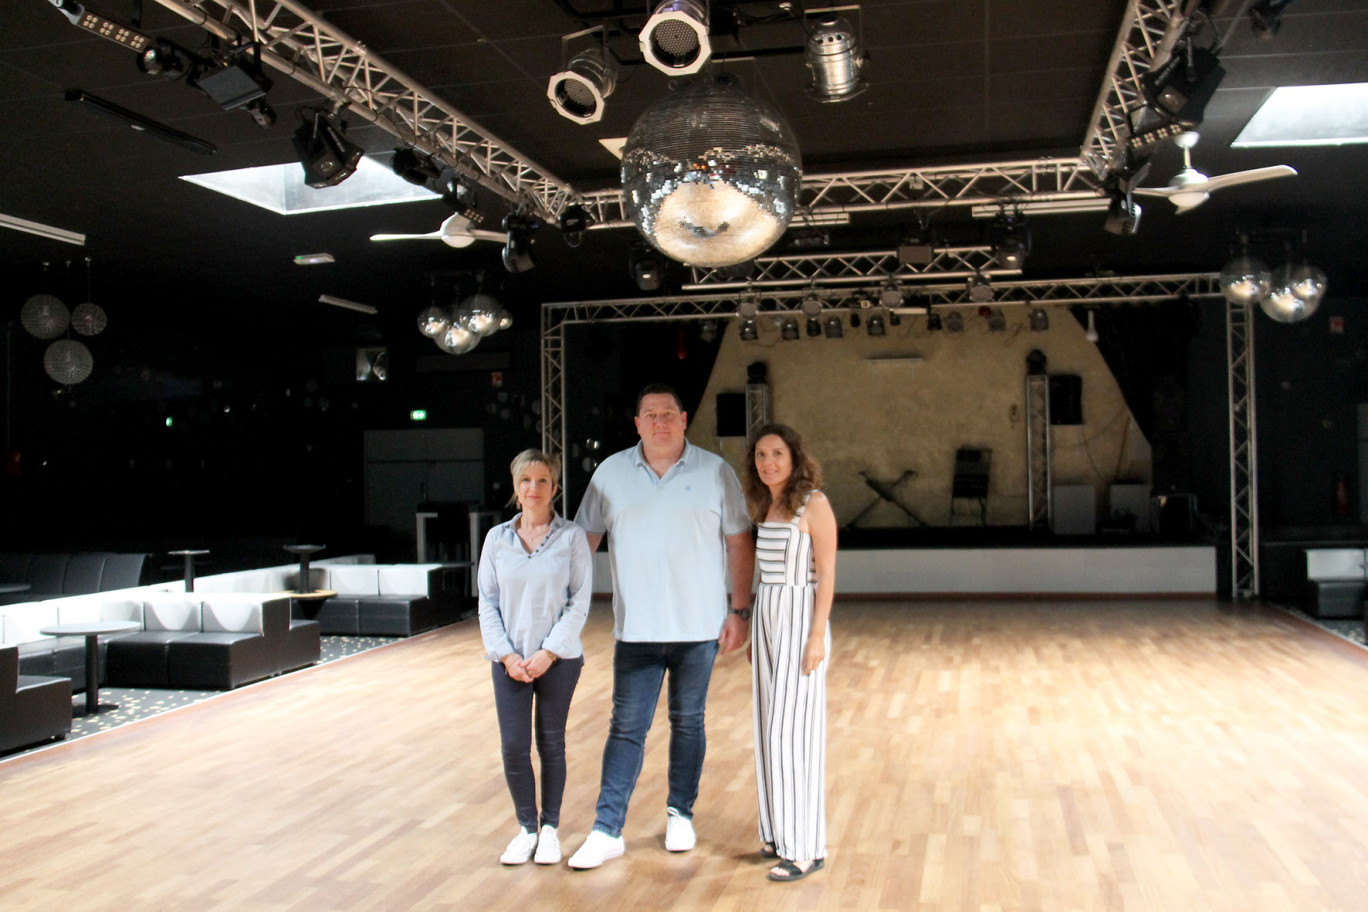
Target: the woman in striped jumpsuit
(796, 551)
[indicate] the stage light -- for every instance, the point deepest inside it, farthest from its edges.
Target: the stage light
(1011, 239)
(646, 267)
(812, 305)
(418, 170)
(707, 333)
(979, 288)
(1039, 320)
(573, 222)
(876, 325)
(675, 39)
(890, 295)
(1123, 215)
(1091, 334)
(1181, 86)
(814, 327)
(327, 156)
(995, 319)
(163, 59)
(833, 327)
(517, 252)
(789, 329)
(934, 322)
(834, 58)
(954, 322)
(235, 83)
(579, 91)
(749, 332)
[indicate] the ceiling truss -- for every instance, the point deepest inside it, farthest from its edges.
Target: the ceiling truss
(834, 269)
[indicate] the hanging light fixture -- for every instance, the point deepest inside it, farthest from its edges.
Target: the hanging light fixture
(68, 362)
(1091, 334)
(44, 316)
(1295, 290)
(578, 92)
(1245, 280)
(433, 321)
(834, 58)
(675, 39)
(710, 174)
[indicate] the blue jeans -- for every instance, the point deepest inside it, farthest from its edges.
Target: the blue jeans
(638, 669)
(519, 716)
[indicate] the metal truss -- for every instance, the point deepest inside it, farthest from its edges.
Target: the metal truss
(1038, 500)
(304, 46)
(827, 269)
(1145, 40)
(1244, 475)
(1038, 180)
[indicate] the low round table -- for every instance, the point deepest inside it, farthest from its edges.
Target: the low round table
(92, 631)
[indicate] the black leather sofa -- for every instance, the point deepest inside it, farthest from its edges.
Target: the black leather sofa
(32, 709)
(53, 574)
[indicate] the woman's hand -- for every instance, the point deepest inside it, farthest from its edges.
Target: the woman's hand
(516, 668)
(537, 664)
(814, 651)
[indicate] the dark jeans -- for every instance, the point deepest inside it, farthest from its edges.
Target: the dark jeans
(638, 670)
(514, 702)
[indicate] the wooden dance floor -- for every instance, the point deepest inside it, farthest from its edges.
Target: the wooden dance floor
(1174, 756)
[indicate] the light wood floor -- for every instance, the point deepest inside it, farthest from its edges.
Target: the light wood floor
(1167, 756)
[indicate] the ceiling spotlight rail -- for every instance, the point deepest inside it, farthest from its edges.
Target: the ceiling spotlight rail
(1106, 290)
(828, 269)
(993, 184)
(310, 50)
(1141, 44)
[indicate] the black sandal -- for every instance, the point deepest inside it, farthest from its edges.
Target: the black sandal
(767, 850)
(786, 870)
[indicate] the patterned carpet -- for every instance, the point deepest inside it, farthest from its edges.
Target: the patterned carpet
(134, 703)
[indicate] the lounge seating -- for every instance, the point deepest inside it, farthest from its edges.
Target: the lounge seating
(51, 575)
(231, 650)
(32, 709)
(390, 599)
(140, 659)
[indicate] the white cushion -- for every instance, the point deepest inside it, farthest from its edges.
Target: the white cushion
(405, 579)
(231, 615)
(24, 620)
(170, 611)
(354, 580)
(97, 607)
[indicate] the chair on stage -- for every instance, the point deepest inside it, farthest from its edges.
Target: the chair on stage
(888, 492)
(970, 483)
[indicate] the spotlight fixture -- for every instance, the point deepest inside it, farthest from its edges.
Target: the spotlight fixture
(979, 288)
(1091, 333)
(954, 322)
(573, 222)
(833, 327)
(1011, 239)
(1265, 17)
(675, 38)
(646, 267)
(894, 319)
(707, 333)
(164, 59)
(814, 327)
(833, 56)
(116, 32)
(236, 82)
(812, 305)
(1123, 215)
(1180, 87)
(748, 309)
(419, 170)
(517, 252)
(997, 322)
(1039, 320)
(876, 324)
(890, 295)
(749, 331)
(324, 151)
(788, 331)
(855, 320)
(578, 92)
(934, 322)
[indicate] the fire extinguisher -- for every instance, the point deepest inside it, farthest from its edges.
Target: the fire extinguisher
(1341, 496)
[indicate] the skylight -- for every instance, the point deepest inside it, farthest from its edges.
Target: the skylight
(281, 188)
(1324, 115)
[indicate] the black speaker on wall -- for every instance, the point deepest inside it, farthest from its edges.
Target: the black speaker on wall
(731, 414)
(1066, 399)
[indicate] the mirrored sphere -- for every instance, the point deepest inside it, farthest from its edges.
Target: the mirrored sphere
(482, 313)
(1284, 305)
(1245, 280)
(710, 174)
(505, 319)
(44, 316)
(89, 319)
(457, 340)
(1307, 282)
(433, 321)
(68, 362)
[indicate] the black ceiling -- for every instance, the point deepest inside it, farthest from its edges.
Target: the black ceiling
(950, 81)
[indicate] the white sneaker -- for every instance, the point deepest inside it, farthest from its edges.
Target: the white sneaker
(520, 850)
(597, 848)
(548, 846)
(679, 832)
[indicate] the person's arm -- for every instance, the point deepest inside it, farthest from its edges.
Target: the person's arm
(822, 527)
(741, 571)
(594, 538)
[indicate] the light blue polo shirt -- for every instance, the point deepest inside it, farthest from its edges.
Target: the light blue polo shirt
(666, 542)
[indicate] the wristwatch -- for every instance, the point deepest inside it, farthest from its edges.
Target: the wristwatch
(743, 613)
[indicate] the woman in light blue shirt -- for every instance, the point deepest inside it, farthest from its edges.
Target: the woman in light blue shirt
(535, 584)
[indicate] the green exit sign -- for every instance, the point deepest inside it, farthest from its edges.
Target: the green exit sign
(418, 415)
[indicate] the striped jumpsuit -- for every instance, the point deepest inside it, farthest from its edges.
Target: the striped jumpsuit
(790, 707)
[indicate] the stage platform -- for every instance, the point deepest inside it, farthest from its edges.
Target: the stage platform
(1008, 563)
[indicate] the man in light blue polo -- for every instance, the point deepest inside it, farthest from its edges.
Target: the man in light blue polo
(678, 540)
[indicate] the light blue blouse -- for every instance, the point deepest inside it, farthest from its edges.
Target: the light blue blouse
(538, 600)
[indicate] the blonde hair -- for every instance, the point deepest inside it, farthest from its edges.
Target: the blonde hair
(533, 457)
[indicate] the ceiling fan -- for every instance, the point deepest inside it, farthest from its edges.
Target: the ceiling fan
(1190, 187)
(456, 231)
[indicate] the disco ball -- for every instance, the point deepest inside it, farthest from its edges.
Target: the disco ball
(44, 316)
(710, 174)
(68, 362)
(457, 340)
(89, 319)
(433, 321)
(1295, 294)
(505, 319)
(481, 313)
(1245, 280)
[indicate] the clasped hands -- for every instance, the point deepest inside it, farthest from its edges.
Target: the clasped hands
(529, 669)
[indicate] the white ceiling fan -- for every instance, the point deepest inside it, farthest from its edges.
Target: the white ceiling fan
(456, 231)
(1190, 187)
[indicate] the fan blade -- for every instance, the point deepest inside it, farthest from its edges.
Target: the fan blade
(436, 235)
(1235, 178)
(484, 234)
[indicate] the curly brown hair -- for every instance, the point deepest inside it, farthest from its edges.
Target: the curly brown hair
(805, 477)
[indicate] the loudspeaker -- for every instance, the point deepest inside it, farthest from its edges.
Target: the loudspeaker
(1066, 399)
(731, 414)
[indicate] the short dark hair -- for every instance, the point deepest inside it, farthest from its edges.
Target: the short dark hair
(658, 389)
